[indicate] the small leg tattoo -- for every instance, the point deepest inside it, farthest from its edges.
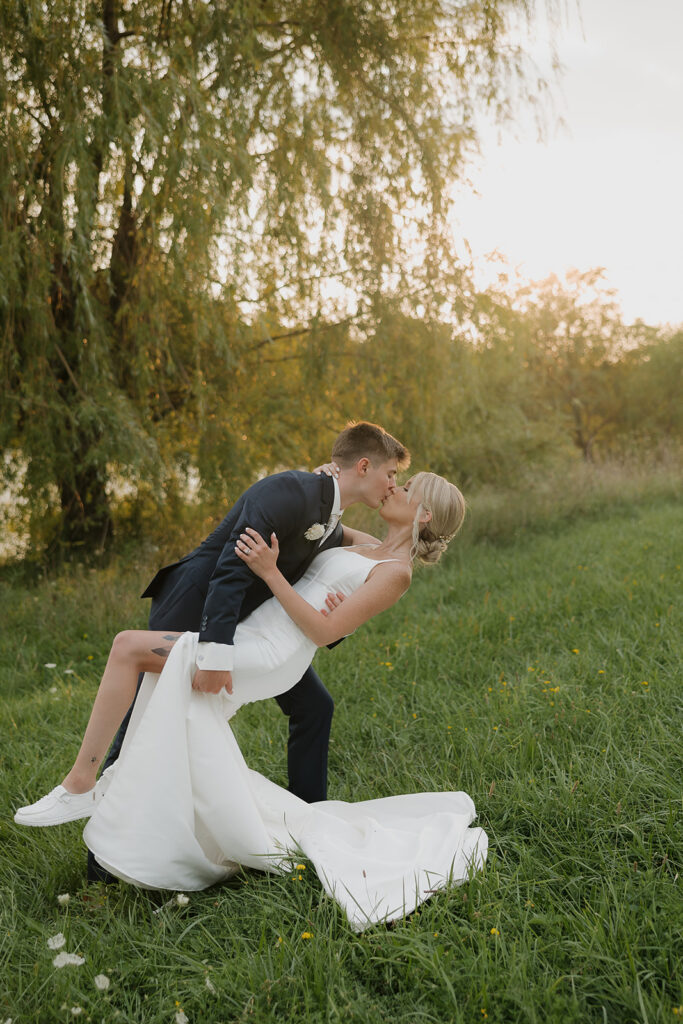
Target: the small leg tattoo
(164, 652)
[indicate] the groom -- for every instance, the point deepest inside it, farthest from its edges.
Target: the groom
(210, 590)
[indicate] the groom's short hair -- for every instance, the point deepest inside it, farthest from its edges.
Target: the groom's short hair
(363, 439)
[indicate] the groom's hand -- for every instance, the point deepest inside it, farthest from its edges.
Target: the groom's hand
(333, 600)
(211, 681)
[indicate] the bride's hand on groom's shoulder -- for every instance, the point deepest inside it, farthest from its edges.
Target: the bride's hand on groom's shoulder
(328, 468)
(253, 550)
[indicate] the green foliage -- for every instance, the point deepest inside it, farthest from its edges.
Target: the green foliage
(542, 676)
(177, 181)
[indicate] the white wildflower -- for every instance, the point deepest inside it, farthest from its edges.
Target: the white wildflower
(53, 689)
(69, 672)
(101, 982)
(182, 900)
(68, 959)
(56, 941)
(63, 899)
(181, 1018)
(210, 985)
(314, 532)
(76, 1011)
(50, 664)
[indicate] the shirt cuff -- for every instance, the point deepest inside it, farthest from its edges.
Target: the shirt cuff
(215, 657)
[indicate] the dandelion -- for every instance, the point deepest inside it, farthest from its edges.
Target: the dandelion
(494, 931)
(63, 899)
(56, 941)
(307, 935)
(414, 714)
(90, 657)
(182, 900)
(68, 960)
(299, 867)
(644, 683)
(50, 664)
(575, 650)
(102, 982)
(483, 1011)
(601, 671)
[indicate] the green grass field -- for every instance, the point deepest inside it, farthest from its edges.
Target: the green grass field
(541, 674)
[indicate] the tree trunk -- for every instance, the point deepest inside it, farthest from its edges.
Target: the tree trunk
(86, 523)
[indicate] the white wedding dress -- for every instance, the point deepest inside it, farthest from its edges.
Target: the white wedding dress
(183, 810)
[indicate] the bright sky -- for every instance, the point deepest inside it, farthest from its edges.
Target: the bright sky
(607, 188)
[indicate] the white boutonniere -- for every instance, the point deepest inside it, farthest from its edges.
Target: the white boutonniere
(314, 532)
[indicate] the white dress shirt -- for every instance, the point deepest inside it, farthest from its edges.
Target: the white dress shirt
(336, 513)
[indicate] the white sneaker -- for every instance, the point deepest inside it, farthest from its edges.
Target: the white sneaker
(58, 807)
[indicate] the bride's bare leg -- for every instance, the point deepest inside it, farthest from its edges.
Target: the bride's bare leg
(133, 651)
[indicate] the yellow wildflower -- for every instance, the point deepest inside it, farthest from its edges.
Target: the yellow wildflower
(307, 935)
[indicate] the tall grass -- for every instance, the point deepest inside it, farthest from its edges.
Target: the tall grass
(540, 673)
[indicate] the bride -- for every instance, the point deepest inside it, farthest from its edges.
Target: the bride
(180, 809)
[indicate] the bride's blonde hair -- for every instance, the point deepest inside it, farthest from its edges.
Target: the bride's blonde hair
(447, 507)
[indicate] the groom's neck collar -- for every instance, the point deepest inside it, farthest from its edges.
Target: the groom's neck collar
(336, 503)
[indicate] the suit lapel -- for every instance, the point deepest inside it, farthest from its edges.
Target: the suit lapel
(326, 498)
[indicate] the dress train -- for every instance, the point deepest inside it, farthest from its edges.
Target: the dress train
(183, 811)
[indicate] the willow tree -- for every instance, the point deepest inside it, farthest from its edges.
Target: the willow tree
(182, 181)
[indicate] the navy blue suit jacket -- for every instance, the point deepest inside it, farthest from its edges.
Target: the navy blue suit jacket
(210, 590)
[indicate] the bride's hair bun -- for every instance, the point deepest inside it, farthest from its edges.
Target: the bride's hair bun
(447, 507)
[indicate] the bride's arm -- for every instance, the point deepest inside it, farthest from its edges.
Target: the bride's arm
(388, 582)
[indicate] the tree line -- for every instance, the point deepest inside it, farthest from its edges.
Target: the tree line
(224, 231)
